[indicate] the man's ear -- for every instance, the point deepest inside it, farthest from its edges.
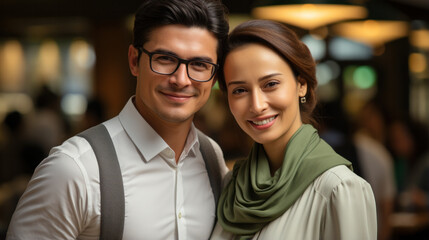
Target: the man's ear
(133, 60)
(214, 80)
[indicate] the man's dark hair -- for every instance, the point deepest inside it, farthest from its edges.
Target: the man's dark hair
(207, 14)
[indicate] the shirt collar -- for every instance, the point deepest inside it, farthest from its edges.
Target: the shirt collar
(192, 142)
(145, 138)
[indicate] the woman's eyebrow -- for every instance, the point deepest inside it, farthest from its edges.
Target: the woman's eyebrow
(259, 80)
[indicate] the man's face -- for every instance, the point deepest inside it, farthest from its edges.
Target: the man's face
(172, 98)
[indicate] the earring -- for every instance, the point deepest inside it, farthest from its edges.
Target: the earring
(303, 100)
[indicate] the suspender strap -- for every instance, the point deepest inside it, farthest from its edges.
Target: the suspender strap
(212, 165)
(111, 186)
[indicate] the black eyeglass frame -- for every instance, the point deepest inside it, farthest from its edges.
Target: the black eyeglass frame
(180, 61)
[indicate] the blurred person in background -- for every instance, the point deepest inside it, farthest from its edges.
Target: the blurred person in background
(19, 156)
(11, 166)
(46, 125)
(95, 113)
(376, 163)
(168, 194)
(408, 141)
(11, 162)
(336, 129)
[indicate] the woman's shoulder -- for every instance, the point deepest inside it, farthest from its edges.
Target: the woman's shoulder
(338, 176)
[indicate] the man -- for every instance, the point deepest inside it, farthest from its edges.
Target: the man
(166, 185)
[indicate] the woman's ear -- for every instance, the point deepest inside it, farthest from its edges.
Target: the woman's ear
(133, 60)
(302, 87)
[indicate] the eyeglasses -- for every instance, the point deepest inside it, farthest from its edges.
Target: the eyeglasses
(167, 64)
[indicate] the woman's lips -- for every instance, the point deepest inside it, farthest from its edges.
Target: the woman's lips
(263, 123)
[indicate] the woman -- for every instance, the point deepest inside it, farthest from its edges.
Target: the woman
(293, 185)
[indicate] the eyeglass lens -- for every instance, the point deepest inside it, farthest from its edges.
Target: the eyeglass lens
(197, 70)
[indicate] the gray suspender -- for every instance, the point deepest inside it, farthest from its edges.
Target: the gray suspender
(112, 188)
(212, 165)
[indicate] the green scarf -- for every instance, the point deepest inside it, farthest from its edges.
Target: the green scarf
(253, 198)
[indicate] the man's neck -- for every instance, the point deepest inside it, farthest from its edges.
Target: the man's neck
(174, 134)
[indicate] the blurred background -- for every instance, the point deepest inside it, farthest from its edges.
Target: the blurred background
(63, 68)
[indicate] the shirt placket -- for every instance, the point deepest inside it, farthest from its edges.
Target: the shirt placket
(180, 210)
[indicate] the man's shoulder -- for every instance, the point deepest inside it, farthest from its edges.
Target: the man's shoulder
(77, 146)
(74, 147)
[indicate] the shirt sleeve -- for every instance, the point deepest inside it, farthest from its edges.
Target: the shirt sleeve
(351, 211)
(53, 205)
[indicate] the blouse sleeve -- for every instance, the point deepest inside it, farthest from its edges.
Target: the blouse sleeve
(351, 212)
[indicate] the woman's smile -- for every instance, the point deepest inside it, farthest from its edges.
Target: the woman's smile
(264, 123)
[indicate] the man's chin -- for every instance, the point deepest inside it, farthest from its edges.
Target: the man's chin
(177, 117)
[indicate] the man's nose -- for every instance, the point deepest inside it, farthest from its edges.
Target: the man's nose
(180, 78)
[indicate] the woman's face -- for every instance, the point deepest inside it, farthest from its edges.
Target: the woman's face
(263, 93)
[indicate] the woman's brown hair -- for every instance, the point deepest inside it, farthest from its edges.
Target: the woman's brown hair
(286, 43)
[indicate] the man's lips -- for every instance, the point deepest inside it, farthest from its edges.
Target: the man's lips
(177, 97)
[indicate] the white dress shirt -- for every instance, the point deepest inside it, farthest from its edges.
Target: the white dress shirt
(163, 199)
(337, 205)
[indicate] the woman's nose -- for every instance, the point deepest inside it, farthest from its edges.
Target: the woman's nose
(259, 103)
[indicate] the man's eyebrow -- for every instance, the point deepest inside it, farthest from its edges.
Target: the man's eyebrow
(196, 58)
(202, 58)
(164, 51)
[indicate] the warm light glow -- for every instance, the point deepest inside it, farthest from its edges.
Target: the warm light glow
(420, 39)
(49, 62)
(12, 64)
(371, 32)
(310, 16)
(129, 22)
(417, 63)
(82, 54)
(320, 33)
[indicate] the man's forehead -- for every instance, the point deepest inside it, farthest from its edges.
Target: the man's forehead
(183, 40)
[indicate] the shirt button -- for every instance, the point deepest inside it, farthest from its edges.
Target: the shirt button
(180, 215)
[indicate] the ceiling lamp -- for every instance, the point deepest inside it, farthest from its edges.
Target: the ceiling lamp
(382, 25)
(308, 14)
(420, 38)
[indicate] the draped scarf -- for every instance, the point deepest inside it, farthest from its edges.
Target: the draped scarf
(253, 198)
